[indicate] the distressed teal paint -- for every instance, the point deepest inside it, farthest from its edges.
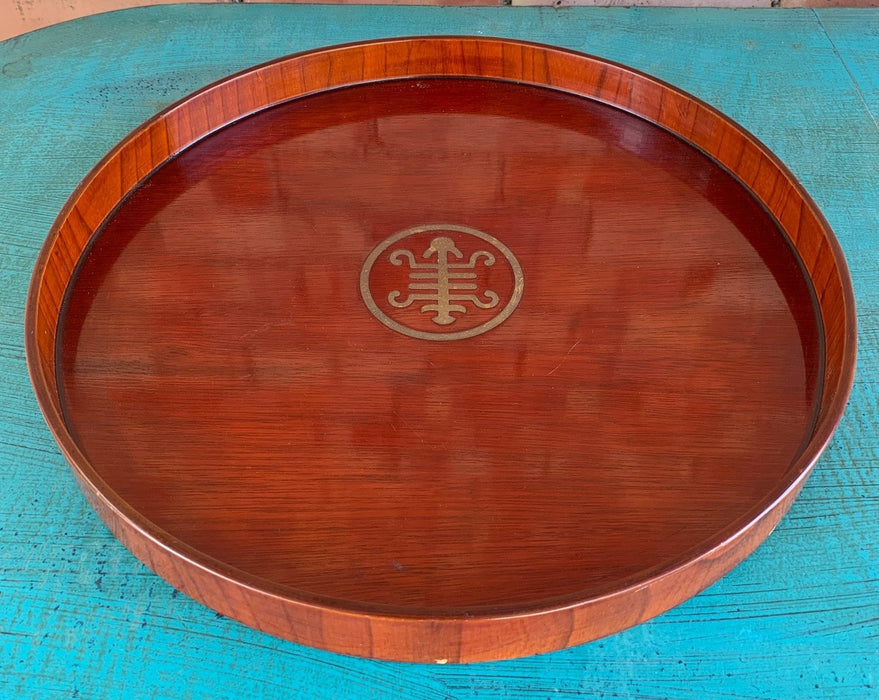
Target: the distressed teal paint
(79, 617)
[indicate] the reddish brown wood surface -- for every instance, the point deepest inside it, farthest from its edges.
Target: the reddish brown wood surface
(680, 353)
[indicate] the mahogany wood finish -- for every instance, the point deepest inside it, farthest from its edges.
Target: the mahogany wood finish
(679, 348)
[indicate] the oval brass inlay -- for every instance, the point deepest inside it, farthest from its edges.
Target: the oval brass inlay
(441, 282)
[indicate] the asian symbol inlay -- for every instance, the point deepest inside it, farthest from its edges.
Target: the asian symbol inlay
(441, 282)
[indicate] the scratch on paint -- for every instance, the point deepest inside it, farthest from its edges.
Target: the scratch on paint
(567, 354)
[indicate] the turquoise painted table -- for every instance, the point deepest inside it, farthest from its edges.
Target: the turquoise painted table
(80, 617)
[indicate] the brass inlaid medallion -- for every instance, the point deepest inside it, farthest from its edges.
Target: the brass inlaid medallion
(441, 282)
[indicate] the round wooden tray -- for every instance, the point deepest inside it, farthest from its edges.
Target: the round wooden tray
(453, 349)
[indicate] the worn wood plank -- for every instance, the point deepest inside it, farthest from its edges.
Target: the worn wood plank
(80, 617)
(20, 16)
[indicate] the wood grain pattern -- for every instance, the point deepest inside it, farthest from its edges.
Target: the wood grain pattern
(364, 590)
(470, 639)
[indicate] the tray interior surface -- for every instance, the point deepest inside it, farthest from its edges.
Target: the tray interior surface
(220, 368)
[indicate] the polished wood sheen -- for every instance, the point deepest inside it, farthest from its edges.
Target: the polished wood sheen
(214, 338)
